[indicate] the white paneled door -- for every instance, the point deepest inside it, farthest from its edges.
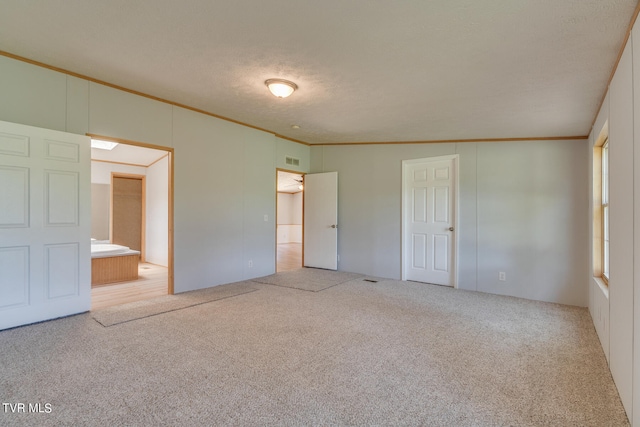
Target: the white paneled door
(45, 204)
(429, 197)
(321, 220)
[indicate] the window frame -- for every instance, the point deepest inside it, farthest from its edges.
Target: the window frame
(600, 177)
(604, 206)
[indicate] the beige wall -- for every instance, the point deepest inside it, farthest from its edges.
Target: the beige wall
(100, 201)
(522, 210)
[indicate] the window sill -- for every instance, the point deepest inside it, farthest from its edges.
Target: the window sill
(603, 286)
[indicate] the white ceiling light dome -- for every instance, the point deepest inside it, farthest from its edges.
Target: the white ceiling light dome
(280, 87)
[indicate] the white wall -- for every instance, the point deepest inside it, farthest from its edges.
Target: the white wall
(219, 222)
(286, 148)
(621, 224)
(32, 95)
(157, 213)
(289, 218)
(285, 208)
(119, 114)
(219, 225)
(532, 220)
(296, 217)
(100, 211)
(616, 309)
(523, 210)
(101, 171)
(635, 36)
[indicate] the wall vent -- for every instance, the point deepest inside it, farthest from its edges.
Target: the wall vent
(292, 161)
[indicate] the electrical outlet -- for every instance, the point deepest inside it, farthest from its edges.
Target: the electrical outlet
(266, 217)
(250, 263)
(502, 276)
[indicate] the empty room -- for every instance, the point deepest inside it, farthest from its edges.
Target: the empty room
(365, 213)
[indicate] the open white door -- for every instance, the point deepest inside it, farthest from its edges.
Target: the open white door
(429, 219)
(45, 214)
(321, 220)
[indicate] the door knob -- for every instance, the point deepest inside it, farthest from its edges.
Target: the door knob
(450, 228)
(334, 226)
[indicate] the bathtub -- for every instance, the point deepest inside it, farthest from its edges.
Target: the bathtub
(113, 263)
(102, 250)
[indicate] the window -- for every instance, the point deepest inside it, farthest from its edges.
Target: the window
(605, 211)
(600, 206)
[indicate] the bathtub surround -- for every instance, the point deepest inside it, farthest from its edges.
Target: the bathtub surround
(359, 353)
(112, 263)
(104, 249)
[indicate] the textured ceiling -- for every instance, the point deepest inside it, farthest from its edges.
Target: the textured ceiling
(366, 70)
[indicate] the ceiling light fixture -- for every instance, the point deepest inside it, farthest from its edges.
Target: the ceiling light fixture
(103, 145)
(280, 87)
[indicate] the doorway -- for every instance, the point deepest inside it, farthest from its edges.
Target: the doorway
(289, 220)
(128, 214)
(429, 217)
(132, 207)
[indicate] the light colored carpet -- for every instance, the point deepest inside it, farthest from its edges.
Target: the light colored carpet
(152, 307)
(358, 354)
(308, 279)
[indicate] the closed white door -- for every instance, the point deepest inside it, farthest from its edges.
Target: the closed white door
(45, 204)
(429, 220)
(321, 220)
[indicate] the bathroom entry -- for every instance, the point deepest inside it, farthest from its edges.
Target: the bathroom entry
(128, 211)
(290, 187)
(132, 208)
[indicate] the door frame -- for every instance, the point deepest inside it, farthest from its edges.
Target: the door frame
(456, 203)
(170, 222)
(143, 220)
(275, 227)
